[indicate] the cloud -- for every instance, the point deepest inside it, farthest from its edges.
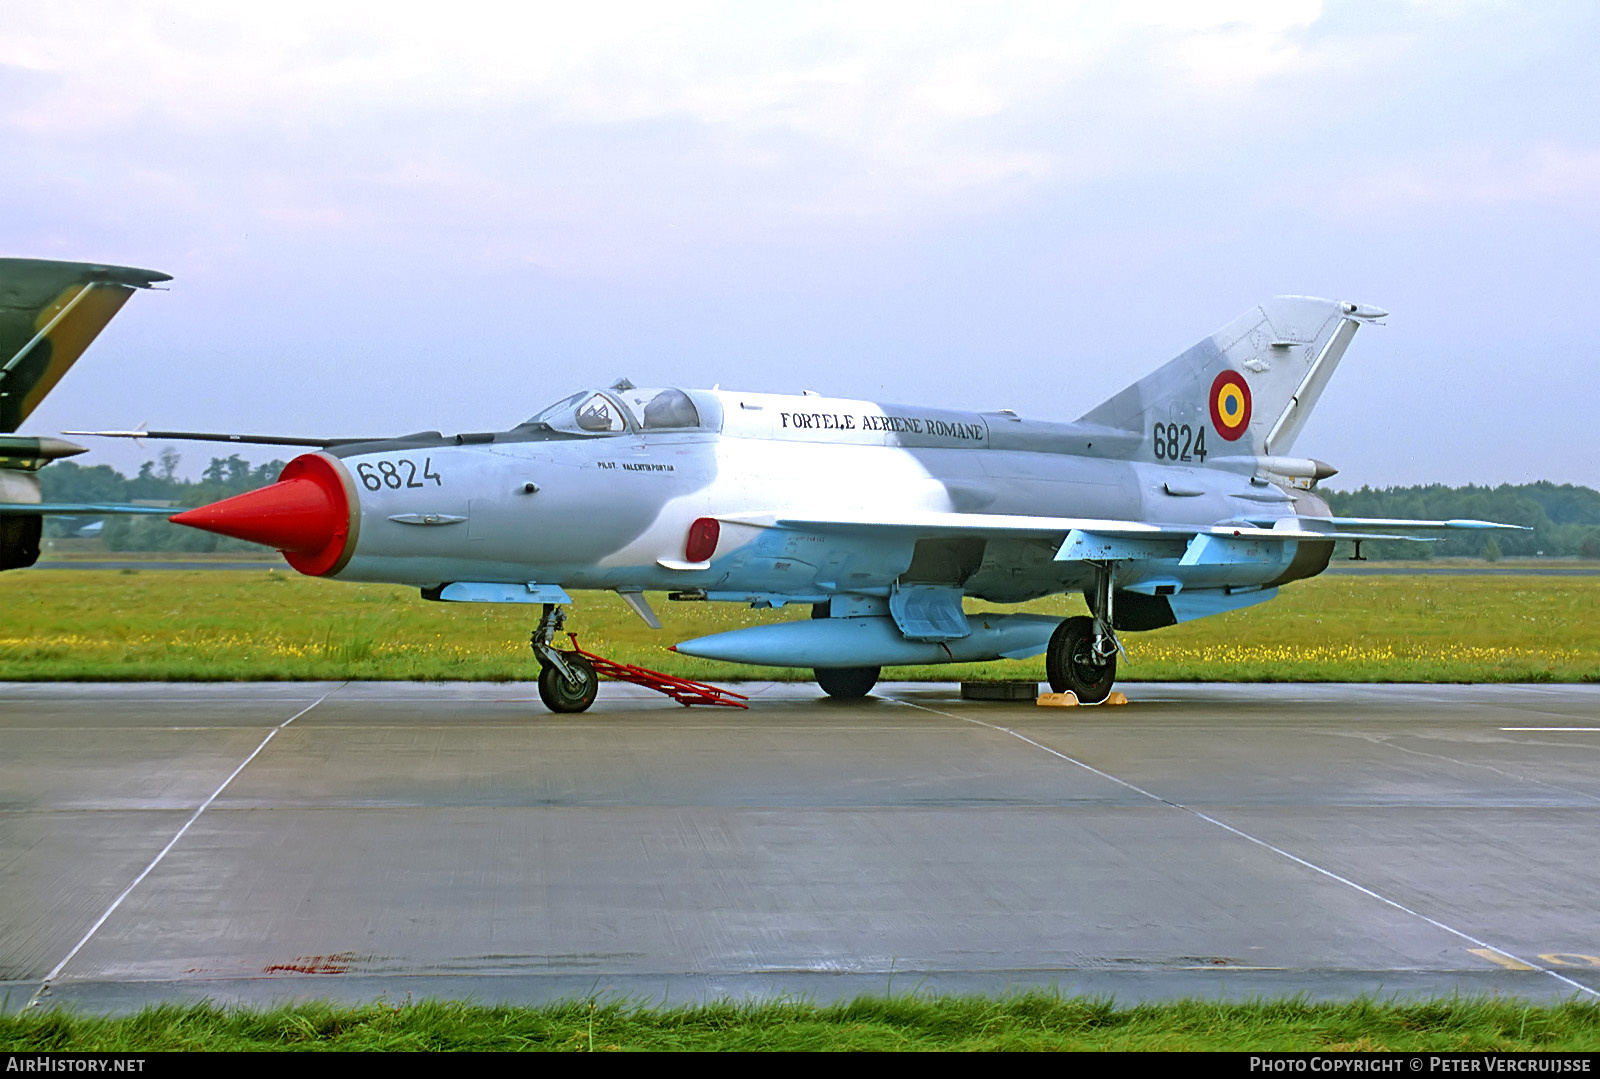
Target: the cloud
(898, 91)
(1566, 177)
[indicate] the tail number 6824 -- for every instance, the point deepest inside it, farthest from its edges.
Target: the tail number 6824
(1179, 443)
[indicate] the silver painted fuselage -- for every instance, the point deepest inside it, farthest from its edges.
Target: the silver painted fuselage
(1174, 499)
(614, 510)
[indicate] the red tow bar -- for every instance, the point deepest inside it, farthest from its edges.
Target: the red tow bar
(682, 690)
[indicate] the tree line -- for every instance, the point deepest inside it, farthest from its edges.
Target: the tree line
(158, 483)
(1564, 520)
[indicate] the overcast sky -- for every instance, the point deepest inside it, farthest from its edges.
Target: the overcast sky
(389, 217)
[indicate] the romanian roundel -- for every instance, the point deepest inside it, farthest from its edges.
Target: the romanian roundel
(1230, 405)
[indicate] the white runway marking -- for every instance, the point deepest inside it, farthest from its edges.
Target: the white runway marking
(1550, 728)
(95, 928)
(1330, 874)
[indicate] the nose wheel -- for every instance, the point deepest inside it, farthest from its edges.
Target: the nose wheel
(567, 681)
(572, 690)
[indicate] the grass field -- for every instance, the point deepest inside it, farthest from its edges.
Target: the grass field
(1032, 1022)
(274, 624)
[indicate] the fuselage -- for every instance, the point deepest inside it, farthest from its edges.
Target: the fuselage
(1173, 499)
(556, 503)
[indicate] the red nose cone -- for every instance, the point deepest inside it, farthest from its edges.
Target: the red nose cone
(306, 515)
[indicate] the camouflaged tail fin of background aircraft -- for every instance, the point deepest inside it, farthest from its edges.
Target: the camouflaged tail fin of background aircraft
(49, 313)
(1245, 390)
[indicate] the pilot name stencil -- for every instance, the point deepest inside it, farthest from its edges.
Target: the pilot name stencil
(637, 466)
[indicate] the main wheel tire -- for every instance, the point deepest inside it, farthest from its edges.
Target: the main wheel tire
(1070, 662)
(846, 683)
(19, 539)
(560, 695)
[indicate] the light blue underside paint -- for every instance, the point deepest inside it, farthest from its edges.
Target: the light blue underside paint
(1201, 603)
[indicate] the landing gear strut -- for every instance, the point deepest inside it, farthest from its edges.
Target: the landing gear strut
(1082, 656)
(567, 682)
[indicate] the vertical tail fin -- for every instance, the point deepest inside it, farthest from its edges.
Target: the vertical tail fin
(49, 313)
(1246, 389)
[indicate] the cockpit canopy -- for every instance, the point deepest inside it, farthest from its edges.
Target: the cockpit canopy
(616, 410)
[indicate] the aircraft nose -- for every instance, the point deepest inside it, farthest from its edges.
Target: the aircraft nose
(306, 515)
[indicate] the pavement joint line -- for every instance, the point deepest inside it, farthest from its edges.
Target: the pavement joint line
(44, 986)
(1330, 874)
(1385, 742)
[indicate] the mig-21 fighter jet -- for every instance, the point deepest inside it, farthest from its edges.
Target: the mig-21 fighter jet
(1177, 498)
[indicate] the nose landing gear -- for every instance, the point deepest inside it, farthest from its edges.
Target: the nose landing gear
(570, 678)
(567, 681)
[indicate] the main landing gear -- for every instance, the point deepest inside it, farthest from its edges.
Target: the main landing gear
(843, 683)
(1082, 656)
(567, 681)
(847, 683)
